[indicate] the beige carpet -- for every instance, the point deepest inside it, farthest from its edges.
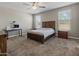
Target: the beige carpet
(20, 46)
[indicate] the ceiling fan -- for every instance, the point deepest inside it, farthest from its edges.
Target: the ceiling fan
(36, 5)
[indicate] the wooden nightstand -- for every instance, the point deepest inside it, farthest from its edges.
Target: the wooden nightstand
(63, 34)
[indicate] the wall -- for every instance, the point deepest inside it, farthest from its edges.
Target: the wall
(53, 15)
(7, 15)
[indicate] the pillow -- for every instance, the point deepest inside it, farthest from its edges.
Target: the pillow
(44, 28)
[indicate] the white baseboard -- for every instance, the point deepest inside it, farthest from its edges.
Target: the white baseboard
(73, 37)
(16, 35)
(56, 35)
(12, 36)
(70, 37)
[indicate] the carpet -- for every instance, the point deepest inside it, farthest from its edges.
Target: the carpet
(21, 46)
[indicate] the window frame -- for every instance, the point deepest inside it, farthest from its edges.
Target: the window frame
(68, 13)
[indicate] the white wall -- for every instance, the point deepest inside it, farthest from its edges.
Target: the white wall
(53, 15)
(7, 15)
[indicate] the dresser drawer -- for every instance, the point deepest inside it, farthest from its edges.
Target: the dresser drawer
(63, 34)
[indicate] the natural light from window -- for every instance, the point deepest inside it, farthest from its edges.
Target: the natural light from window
(38, 22)
(64, 20)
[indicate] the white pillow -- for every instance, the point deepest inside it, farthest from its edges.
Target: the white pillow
(44, 28)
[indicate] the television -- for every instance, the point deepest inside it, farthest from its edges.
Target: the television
(16, 26)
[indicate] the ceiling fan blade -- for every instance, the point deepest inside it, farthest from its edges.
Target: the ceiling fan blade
(35, 4)
(42, 7)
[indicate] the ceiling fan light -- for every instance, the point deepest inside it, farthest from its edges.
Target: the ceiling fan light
(34, 7)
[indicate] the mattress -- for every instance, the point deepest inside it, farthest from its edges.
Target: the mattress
(43, 31)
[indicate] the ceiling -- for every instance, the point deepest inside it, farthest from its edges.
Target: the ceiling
(26, 6)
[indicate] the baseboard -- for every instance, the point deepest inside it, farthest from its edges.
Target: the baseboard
(69, 37)
(56, 36)
(16, 35)
(12, 36)
(73, 37)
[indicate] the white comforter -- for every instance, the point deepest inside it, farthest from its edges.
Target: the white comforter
(43, 31)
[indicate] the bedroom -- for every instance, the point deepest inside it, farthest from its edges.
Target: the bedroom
(19, 19)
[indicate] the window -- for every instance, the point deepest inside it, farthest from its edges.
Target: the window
(64, 20)
(38, 21)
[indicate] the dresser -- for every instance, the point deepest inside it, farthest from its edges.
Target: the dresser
(63, 34)
(3, 44)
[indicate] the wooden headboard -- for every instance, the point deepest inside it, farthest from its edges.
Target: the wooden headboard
(48, 24)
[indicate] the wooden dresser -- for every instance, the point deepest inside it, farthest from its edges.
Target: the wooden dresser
(3, 44)
(63, 34)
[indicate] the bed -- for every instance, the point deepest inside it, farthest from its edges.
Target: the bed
(43, 34)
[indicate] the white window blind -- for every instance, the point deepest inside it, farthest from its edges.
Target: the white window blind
(64, 20)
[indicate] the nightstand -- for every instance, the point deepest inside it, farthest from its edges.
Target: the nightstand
(63, 34)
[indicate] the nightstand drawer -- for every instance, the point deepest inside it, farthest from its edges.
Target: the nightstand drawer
(63, 34)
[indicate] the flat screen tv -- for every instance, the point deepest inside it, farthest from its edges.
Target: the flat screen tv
(16, 26)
